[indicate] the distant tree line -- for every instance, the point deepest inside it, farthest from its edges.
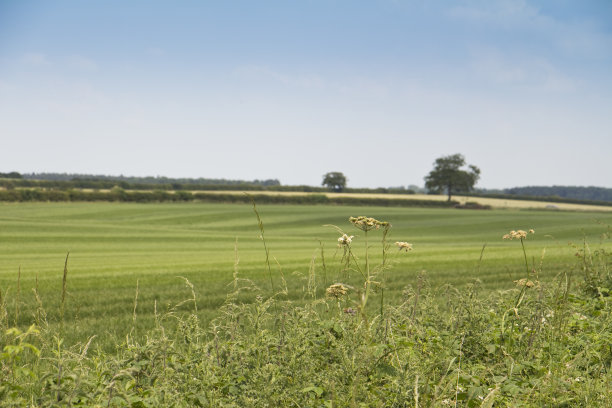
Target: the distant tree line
(108, 184)
(11, 175)
(118, 194)
(66, 182)
(145, 180)
(576, 193)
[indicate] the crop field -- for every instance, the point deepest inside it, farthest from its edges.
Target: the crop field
(128, 264)
(115, 247)
(497, 203)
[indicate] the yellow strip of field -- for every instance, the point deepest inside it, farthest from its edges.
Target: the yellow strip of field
(493, 202)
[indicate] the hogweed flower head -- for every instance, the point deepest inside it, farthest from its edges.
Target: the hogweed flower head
(520, 234)
(337, 290)
(404, 246)
(367, 223)
(345, 240)
(526, 283)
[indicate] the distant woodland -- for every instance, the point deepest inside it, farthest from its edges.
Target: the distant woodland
(143, 180)
(577, 193)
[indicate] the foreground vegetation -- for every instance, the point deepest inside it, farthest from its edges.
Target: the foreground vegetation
(348, 324)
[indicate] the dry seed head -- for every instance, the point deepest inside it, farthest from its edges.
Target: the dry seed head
(520, 234)
(526, 283)
(367, 223)
(337, 290)
(345, 240)
(404, 246)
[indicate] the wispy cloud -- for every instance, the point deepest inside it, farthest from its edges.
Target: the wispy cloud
(42, 60)
(494, 11)
(81, 63)
(538, 73)
(572, 36)
(35, 59)
(256, 72)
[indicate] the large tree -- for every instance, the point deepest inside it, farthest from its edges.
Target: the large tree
(448, 177)
(334, 180)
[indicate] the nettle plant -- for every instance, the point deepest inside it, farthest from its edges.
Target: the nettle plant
(372, 276)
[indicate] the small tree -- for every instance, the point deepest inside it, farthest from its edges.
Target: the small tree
(335, 181)
(448, 177)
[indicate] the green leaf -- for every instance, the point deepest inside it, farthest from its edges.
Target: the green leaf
(138, 404)
(316, 390)
(387, 369)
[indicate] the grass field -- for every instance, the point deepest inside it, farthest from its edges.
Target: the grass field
(134, 333)
(114, 246)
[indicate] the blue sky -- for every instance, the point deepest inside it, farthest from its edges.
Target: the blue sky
(294, 89)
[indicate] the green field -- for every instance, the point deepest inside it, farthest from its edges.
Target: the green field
(131, 334)
(113, 246)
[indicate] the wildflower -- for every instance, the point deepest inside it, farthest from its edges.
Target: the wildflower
(337, 290)
(526, 283)
(367, 223)
(404, 245)
(345, 240)
(520, 234)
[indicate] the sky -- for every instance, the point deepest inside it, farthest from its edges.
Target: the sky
(291, 90)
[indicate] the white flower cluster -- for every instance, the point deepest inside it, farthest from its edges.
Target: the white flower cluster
(345, 240)
(404, 246)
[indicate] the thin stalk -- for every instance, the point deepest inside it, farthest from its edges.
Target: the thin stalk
(382, 302)
(261, 228)
(364, 300)
(63, 302)
(135, 306)
(367, 264)
(352, 256)
(236, 261)
(312, 281)
(17, 300)
(384, 260)
(525, 255)
(3, 313)
(480, 260)
(323, 264)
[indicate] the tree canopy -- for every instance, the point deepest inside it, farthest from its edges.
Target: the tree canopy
(334, 180)
(448, 177)
(13, 175)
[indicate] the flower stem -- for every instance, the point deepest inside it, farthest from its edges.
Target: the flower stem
(525, 255)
